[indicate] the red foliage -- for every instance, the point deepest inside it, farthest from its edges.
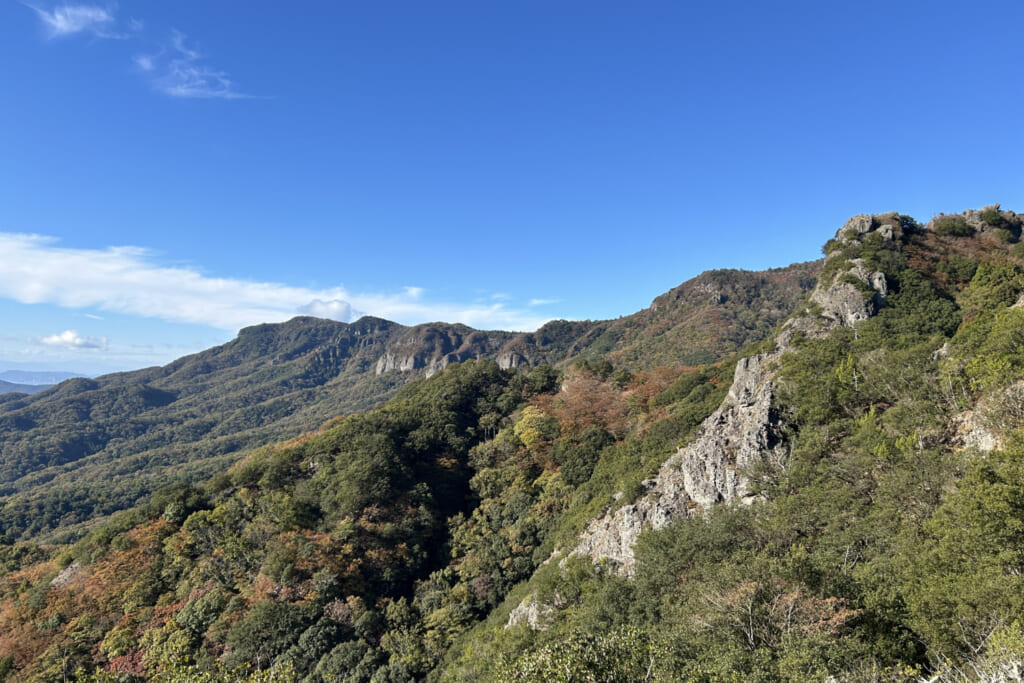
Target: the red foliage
(128, 664)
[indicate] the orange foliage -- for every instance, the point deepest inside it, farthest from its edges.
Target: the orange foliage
(586, 401)
(22, 640)
(111, 577)
(128, 665)
(649, 383)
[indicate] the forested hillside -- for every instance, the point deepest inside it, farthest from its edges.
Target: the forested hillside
(841, 500)
(89, 447)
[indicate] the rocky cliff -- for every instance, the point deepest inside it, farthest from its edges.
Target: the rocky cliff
(275, 381)
(742, 433)
(745, 433)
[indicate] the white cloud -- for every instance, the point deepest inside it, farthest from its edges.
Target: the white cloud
(69, 339)
(335, 309)
(69, 19)
(543, 302)
(180, 72)
(127, 280)
(176, 70)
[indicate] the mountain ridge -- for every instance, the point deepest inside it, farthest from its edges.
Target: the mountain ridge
(85, 439)
(14, 387)
(838, 501)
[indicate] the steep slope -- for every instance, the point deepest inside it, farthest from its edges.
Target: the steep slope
(844, 500)
(365, 504)
(746, 433)
(700, 321)
(843, 513)
(705, 319)
(88, 447)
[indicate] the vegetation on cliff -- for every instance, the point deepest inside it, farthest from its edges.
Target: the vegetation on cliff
(87, 448)
(430, 538)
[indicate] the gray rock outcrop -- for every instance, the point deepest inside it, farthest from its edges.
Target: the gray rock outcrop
(410, 362)
(742, 434)
(511, 359)
(846, 303)
(745, 432)
(537, 615)
(856, 226)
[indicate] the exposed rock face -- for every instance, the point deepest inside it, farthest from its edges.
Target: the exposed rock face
(431, 348)
(991, 419)
(389, 362)
(536, 615)
(847, 304)
(745, 431)
(67, 576)
(510, 359)
(860, 225)
(972, 433)
(856, 226)
(408, 363)
(973, 218)
(741, 434)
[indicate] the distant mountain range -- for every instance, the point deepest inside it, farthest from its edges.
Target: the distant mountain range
(10, 387)
(840, 500)
(87, 447)
(43, 377)
(30, 382)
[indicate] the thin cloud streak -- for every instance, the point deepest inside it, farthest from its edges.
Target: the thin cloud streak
(70, 19)
(127, 280)
(176, 70)
(179, 72)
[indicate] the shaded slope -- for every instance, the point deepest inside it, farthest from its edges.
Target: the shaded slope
(873, 535)
(87, 447)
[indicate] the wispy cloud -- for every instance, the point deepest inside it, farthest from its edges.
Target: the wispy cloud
(179, 71)
(66, 20)
(128, 280)
(69, 339)
(145, 62)
(175, 69)
(543, 302)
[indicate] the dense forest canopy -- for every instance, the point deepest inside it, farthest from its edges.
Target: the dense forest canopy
(438, 536)
(89, 447)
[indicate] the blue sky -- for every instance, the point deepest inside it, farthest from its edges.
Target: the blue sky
(171, 172)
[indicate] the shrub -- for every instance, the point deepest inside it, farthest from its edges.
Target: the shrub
(959, 269)
(993, 217)
(952, 226)
(578, 457)
(1003, 235)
